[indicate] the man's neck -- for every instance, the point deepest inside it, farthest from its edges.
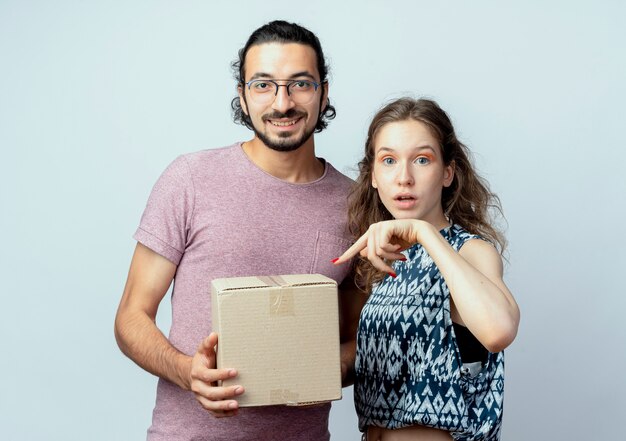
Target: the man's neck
(298, 166)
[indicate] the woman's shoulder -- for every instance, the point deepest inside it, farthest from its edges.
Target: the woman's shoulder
(458, 236)
(481, 253)
(468, 243)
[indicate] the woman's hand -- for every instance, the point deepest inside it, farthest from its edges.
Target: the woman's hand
(384, 240)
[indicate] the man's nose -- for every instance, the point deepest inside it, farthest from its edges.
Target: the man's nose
(282, 100)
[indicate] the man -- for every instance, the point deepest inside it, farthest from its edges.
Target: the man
(265, 206)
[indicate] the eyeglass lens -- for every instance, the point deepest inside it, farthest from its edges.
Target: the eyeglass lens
(300, 91)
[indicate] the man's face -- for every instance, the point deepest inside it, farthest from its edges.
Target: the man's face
(281, 124)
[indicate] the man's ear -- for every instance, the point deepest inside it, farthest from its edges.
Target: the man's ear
(448, 174)
(324, 97)
(242, 99)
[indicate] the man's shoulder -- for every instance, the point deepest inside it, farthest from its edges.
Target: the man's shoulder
(337, 178)
(210, 156)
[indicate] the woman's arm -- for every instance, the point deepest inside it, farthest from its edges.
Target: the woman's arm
(481, 299)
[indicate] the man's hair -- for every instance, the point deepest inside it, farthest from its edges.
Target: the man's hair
(281, 32)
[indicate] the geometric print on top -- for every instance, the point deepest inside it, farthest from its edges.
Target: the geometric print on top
(408, 365)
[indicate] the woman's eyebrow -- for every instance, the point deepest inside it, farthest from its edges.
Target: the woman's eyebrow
(419, 148)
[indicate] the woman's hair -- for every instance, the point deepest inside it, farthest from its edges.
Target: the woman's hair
(467, 201)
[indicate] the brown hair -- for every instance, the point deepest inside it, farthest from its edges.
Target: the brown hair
(467, 201)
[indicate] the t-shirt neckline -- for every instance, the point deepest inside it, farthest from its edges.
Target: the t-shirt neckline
(239, 149)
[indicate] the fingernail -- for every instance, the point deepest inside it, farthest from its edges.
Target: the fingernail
(232, 372)
(403, 259)
(335, 260)
(239, 390)
(394, 275)
(232, 405)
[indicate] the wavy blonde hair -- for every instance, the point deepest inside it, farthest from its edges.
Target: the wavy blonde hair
(468, 201)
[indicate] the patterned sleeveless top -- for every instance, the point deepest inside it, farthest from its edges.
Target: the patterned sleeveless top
(408, 364)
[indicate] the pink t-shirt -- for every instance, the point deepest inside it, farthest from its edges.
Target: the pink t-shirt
(214, 213)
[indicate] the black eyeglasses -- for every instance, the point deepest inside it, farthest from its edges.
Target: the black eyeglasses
(265, 91)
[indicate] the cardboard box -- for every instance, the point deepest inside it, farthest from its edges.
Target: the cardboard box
(282, 335)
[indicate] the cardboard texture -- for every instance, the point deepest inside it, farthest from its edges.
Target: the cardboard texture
(282, 334)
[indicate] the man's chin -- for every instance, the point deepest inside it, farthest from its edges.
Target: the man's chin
(284, 142)
(284, 146)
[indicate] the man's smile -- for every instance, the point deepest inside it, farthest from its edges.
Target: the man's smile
(284, 123)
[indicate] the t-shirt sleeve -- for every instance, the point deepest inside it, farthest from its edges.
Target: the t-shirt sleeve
(166, 221)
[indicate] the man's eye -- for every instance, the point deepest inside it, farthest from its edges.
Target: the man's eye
(261, 86)
(301, 84)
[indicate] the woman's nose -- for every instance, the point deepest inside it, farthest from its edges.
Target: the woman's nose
(405, 175)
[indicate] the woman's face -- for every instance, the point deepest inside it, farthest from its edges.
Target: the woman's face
(409, 172)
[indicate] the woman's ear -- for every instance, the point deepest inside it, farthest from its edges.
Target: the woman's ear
(448, 174)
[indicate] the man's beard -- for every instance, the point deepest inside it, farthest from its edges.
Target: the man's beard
(287, 143)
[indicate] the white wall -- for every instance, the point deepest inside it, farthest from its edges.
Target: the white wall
(96, 98)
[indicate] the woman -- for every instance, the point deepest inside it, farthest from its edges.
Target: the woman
(429, 360)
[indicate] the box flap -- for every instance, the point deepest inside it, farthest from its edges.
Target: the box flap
(307, 280)
(237, 283)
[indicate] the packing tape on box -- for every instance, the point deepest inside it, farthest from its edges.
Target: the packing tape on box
(283, 396)
(281, 302)
(273, 280)
(279, 280)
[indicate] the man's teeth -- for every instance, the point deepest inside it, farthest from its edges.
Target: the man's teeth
(284, 123)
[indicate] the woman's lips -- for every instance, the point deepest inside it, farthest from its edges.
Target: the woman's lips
(405, 201)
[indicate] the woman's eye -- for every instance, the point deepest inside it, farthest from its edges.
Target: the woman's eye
(388, 161)
(422, 160)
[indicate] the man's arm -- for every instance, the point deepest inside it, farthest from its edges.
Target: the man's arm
(139, 338)
(351, 301)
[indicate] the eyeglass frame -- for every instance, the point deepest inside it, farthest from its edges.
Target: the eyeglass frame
(316, 85)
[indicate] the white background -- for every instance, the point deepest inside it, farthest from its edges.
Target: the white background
(96, 98)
